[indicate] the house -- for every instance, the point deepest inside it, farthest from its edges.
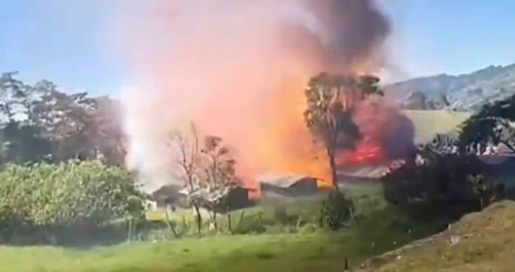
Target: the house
(286, 186)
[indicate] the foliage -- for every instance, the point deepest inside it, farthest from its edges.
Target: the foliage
(491, 124)
(39, 121)
(71, 195)
(330, 99)
(335, 212)
(208, 171)
(284, 248)
(454, 180)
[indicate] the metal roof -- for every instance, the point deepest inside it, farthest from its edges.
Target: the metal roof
(282, 180)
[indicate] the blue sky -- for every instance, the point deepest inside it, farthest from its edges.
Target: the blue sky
(66, 41)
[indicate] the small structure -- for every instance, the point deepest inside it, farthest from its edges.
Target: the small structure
(219, 200)
(289, 186)
(169, 197)
(150, 205)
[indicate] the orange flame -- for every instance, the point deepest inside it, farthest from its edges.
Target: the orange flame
(236, 77)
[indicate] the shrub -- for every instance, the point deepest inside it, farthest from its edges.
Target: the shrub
(79, 195)
(335, 211)
(448, 186)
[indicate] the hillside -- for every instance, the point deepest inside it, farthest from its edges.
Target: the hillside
(483, 241)
(429, 123)
(466, 91)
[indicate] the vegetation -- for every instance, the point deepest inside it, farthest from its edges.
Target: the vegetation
(40, 203)
(453, 180)
(284, 245)
(208, 173)
(330, 99)
(39, 122)
(492, 124)
(479, 242)
(63, 183)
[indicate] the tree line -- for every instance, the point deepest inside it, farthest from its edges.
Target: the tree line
(41, 123)
(452, 178)
(61, 159)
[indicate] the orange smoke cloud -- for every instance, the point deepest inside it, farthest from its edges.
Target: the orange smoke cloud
(239, 69)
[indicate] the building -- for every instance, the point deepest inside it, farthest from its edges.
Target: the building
(286, 186)
(169, 197)
(219, 200)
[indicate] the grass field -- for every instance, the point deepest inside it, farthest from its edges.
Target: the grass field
(284, 252)
(230, 253)
(304, 249)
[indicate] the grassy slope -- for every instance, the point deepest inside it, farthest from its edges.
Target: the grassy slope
(384, 230)
(283, 252)
(486, 243)
(429, 123)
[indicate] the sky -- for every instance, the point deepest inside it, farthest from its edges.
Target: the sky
(70, 42)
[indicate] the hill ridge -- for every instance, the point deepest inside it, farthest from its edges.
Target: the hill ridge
(468, 91)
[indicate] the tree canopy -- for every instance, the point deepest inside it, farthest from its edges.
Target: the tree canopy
(40, 122)
(330, 99)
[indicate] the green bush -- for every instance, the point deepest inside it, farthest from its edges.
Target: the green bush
(335, 211)
(78, 195)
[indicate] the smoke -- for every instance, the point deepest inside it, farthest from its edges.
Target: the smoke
(238, 68)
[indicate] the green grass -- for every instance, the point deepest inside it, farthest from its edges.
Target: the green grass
(276, 216)
(304, 248)
(284, 252)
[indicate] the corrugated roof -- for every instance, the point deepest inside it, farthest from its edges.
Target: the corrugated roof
(362, 171)
(282, 180)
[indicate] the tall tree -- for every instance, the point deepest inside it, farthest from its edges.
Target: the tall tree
(330, 99)
(13, 96)
(110, 139)
(67, 121)
(187, 165)
(219, 176)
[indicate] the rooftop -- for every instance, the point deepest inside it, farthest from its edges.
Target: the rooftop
(282, 180)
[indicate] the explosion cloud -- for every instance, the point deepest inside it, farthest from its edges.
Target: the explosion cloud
(239, 68)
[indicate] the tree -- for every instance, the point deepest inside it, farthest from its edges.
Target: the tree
(22, 141)
(186, 161)
(13, 96)
(110, 138)
(330, 99)
(220, 176)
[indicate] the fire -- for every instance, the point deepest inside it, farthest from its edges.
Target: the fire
(239, 69)
(285, 145)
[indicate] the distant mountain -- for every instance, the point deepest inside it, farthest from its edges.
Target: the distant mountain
(463, 92)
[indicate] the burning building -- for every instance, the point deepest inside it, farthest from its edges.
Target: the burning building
(238, 68)
(404, 131)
